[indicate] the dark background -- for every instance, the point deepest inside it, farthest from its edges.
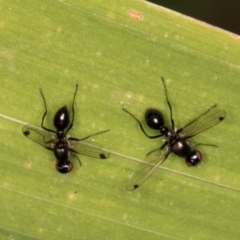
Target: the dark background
(221, 13)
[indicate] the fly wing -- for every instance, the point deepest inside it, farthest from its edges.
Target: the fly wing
(146, 168)
(88, 149)
(208, 119)
(39, 136)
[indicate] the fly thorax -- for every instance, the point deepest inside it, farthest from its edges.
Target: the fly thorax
(165, 131)
(61, 150)
(61, 135)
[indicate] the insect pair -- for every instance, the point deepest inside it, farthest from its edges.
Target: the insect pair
(63, 146)
(176, 141)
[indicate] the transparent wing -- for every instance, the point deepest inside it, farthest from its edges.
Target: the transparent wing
(46, 139)
(39, 136)
(88, 149)
(203, 122)
(145, 169)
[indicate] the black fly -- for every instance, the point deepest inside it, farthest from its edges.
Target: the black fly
(63, 147)
(176, 140)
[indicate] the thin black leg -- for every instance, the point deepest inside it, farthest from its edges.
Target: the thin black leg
(169, 104)
(45, 113)
(73, 112)
(140, 124)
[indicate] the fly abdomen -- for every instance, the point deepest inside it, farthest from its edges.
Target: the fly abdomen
(181, 148)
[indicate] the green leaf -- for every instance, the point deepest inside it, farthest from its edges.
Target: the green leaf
(117, 52)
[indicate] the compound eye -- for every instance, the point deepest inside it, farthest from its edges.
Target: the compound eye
(64, 167)
(154, 119)
(194, 158)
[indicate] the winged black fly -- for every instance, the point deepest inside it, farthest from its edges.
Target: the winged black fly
(176, 141)
(63, 146)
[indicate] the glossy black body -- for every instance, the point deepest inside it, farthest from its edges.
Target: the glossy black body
(176, 141)
(63, 147)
